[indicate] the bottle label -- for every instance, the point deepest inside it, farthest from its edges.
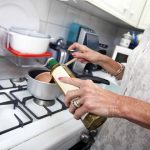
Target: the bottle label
(61, 72)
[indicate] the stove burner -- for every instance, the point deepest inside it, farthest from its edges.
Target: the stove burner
(19, 108)
(15, 117)
(21, 79)
(13, 83)
(42, 102)
(38, 111)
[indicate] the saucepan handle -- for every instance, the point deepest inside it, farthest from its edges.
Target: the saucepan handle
(94, 79)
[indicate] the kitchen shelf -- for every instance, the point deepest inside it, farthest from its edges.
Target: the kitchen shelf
(19, 54)
(26, 60)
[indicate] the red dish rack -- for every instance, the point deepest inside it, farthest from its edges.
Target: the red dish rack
(27, 60)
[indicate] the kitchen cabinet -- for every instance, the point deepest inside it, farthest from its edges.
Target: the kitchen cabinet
(114, 7)
(128, 11)
(145, 18)
(135, 11)
(125, 13)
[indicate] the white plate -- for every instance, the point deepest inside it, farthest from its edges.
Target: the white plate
(20, 13)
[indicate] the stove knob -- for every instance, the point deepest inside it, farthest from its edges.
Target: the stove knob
(85, 137)
(93, 133)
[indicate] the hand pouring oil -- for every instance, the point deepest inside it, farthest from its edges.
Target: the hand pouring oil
(90, 121)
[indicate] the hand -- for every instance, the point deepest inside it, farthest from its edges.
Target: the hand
(93, 99)
(85, 54)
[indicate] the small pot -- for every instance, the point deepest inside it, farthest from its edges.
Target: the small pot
(42, 90)
(27, 41)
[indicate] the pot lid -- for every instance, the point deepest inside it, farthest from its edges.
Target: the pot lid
(29, 32)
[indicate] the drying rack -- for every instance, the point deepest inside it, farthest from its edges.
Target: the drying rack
(21, 59)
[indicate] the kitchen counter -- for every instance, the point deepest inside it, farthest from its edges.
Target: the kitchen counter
(9, 69)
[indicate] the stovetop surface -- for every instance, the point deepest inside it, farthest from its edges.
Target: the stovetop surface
(17, 106)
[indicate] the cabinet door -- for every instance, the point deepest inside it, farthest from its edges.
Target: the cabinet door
(128, 11)
(115, 7)
(135, 11)
(145, 18)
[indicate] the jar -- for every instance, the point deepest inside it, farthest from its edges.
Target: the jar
(126, 40)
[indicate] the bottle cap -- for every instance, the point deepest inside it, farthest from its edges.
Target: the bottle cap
(127, 36)
(50, 63)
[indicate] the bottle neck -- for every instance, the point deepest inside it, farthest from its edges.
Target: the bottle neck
(51, 63)
(51, 68)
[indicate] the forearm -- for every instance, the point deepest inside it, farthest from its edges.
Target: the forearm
(109, 65)
(135, 111)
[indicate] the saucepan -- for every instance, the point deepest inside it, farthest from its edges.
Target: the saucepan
(42, 90)
(27, 41)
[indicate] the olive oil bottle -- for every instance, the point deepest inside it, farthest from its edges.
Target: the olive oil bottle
(90, 121)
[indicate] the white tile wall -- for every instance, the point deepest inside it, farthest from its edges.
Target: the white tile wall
(56, 31)
(55, 18)
(42, 7)
(72, 15)
(57, 12)
(85, 18)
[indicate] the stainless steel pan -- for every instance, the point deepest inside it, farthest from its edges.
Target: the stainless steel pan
(42, 90)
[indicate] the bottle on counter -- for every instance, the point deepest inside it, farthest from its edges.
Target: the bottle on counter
(126, 40)
(90, 121)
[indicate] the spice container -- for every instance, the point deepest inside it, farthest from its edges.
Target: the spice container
(126, 40)
(90, 121)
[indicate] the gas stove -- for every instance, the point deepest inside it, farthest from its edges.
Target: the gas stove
(24, 123)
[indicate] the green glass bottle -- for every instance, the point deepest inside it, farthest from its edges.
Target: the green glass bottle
(90, 121)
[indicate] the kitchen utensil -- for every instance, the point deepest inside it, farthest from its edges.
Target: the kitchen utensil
(27, 41)
(42, 90)
(94, 79)
(70, 61)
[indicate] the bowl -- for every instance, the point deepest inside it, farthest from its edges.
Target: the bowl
(28, 41)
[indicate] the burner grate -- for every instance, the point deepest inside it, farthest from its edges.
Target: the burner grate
(13, 83)
(36, 110)
(12, 113)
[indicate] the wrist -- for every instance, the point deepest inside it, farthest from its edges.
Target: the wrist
(123, 106)
(120, 107)
(102, 59)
